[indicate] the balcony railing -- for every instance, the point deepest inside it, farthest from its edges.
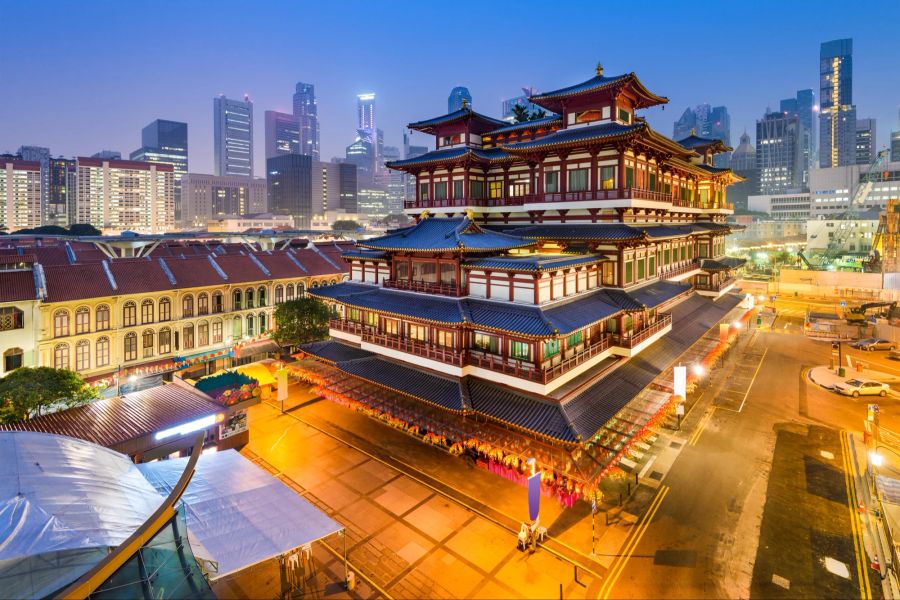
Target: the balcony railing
(663, 321)
(715, 287)
(428, 287)
(508, 366)
(349, 326)
(577, 359)
(679, 270)
(446, 355)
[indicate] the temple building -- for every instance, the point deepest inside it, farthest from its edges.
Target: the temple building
(545, 255)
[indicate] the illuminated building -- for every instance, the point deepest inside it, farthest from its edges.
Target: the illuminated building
(457, 96)
(837, 113)
(233, 136)
(779, 154)
(282, 134)
(166, 142)
(63, 183)
(20, 194)
(120, 195)
(307, 112)
(865, 141)
(207, 197)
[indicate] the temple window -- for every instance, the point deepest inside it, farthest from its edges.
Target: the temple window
(520, 350)
(424, 271)
(667, 188)
(440, 190)
(476, 189)
(624, 116)
(354, 314)
(458, 188)
(417, 332)
(495, 188)
(629, 177)
(653, 181)
(372, 319)
(640, 269)
(575, 339)
(444, 338)
(629, 271)
(423, 191)
(551, 182)
(551, 348)
(609, 273)
(665, 259)
(578, 180)
(402, 271)
(391, 326)
(608, 178)
(652, 269)
(487, 343)
(448, 274)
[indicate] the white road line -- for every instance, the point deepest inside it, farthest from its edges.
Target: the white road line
(749, 387)
(647, 467)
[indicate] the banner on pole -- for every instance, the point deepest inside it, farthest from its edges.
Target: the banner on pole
(680, 383)
(534, 496)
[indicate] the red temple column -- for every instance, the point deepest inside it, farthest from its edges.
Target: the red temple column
(593, 180)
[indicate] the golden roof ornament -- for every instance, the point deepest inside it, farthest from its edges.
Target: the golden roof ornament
(425, 214)
(693, 131)
(599, 70)
(465, 103)
(470, 214)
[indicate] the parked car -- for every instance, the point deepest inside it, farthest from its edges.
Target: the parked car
(871, 344)
(861, 387)
(894, 355)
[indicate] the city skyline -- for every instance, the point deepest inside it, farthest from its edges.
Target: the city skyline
(108, 114)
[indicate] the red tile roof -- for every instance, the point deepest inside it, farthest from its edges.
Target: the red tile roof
(280, 265)
(16, 286)
(193, 271)
(139, 275)
(316, 264)
(240, 268)
(77, 282)
(50, 255)
(117, 420)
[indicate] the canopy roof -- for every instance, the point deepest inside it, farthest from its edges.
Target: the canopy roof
(535, 262)
(726, 263)
(456, 154)
(446, 235)
(563, 138)
(556, 100)
(481, 122)
(240, 514)
(696, 142)
(543, 122)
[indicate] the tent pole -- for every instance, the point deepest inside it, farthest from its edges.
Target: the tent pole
(346, 567)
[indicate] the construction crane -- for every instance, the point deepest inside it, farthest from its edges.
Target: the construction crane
(886, 243)
(837, 243)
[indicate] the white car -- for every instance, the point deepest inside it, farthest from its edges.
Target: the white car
(861, 387)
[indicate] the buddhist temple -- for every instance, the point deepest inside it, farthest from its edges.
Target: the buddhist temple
(555, 267)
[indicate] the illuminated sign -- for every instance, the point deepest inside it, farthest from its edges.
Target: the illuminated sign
(189, 427)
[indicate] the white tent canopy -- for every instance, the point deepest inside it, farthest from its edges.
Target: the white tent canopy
(239, 513)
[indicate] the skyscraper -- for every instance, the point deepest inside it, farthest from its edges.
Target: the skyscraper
(837, 114)
(40, 155)
(743, 163)
(205, 197)
(507, 105)
(289, 182)
(365, 112)
(233, 136)
(779, 157)
(456, 98)
(20, 194)
(166, 142)
(365, 151)
(307, 112)
(865, 141)
(895, 142)
(709, 122)
(61, 198)
(802, 106)
(282, 134)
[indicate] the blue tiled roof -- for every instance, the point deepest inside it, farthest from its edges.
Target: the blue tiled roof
(551, 100)
(546, 418)
(695, 141)
(705, 226)
(621, 298)
(341, 291)
(429, 308)
(596, 405)
(446, 234)
(455, 153)
(714, 170)
(527, 319)
(579, 231)
(609, 129)
(579, 313)
(534, 262)
(546, 121)
(462, 113)
(661, 231)
(334, 351)
(658, 292)
(722, 264)
(441, 391)
(365, 254)
(592, 84)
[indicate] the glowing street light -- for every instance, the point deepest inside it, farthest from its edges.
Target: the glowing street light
(876, 458)
(737, 325)
(698, 370)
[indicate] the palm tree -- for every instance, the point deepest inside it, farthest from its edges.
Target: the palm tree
(520, 113)
(538, 114)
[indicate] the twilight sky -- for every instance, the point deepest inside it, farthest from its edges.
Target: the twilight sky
(84, 76)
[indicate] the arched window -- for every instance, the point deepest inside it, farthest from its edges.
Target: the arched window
(130, 346)
(102, 317)
(129, 314)
(165, 340)
(83, 355)
(261, 297)
(262, 322)
(236, 300)
(82, 319)
(61, 356)
(314, 285)
(217, 304)
(165, 310)
(61, 323)
(188, 336)
(333, 281)
(236, 328)
(11, 318)
(146, 312)
(290, 291)
(102, 351)
(248, 296)
(251, 330)
(301, 289)
(187, 306)
(279, 294)
(203, 303)
(203, 333)
(147, 343)
(12, 359)
(217, 331)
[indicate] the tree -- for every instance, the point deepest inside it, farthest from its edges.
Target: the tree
(27, 392)
(301, 321)
(83, 229)
(45, 230)
(520, 113)
(345, 225)
(537, 114)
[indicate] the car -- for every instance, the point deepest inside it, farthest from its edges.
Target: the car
(894, 355)
(871, 344)
(861, 387)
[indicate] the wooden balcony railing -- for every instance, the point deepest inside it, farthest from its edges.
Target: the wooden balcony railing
(440, 353)
(575, 360)
(429, 287)
(674, 271)
(349, 326)
(715, 287)
(509, 366)
(663, 321)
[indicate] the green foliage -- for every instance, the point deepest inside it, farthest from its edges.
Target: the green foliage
(83, 229)
(520, 113)
(537, 114)
(301, 321)
(345, 225)
(45, 230)
(27, 392)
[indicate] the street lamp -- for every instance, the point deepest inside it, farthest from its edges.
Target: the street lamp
(698, 370)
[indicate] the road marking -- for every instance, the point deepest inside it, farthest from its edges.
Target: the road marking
(781, 581)
(631, 544)
(826, 454)
(836, 567)
(704, 421)
(358, 571)
(865, 591)
(752, 381)
(647, 466)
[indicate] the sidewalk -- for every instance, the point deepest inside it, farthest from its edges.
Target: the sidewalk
(826, 377)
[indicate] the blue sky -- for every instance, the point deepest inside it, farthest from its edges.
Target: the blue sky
(84, 76)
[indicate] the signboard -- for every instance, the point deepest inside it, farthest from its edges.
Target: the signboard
(723, 332)
(282, 376)
(679, 409)
(237, 423)
(534, 496)
(680, 383)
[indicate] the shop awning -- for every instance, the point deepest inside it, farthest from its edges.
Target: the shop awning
(199, 357)
(258, 347)
(259, 372)
(240, 514)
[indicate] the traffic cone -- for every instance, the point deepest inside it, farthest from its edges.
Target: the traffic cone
(875, 566)
(861, 507)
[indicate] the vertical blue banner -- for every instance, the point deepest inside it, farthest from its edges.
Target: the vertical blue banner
(534, 496)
